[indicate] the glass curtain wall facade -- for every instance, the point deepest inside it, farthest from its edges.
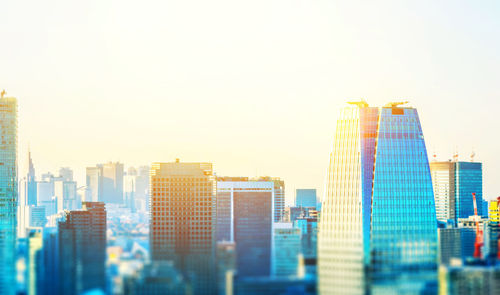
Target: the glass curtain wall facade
(245, 216)
(8, 193)
(469, 179)
(378, 226)
(182, 226)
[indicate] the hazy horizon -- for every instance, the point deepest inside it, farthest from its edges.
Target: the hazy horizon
(254, 88)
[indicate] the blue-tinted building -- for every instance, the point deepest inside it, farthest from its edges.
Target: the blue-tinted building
(82, 249)
(378, 223)
(468, 180)
(8, 193)
(305, 198)
(246, 213)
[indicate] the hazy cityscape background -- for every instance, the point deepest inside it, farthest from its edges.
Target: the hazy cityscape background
(140, 82)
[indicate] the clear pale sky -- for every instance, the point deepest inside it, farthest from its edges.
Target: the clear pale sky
(252, 86)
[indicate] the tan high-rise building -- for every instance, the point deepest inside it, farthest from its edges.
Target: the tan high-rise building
(182, 224)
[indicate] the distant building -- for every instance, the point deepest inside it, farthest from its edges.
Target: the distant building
(182, 226)
(8, 193)
(46, 195)
(94, 183)
(82, 249)
(112, 182)
(454, 182)
(287, 250)
(305, 198)
(293, 213)
(135, 188)
(66, 173)
(105, 183)
(245, 216)
(66, 195)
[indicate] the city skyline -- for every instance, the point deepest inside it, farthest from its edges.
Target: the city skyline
(97, 79)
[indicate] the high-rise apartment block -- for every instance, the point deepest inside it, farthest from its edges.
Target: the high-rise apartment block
(378, 222)
(8, 193)
(182, 222)
(454, 182)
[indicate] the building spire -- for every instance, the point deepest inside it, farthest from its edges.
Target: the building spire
(3, 93)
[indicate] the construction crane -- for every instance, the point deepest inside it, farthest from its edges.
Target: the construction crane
(478, 244)
(361, 104)
(395, 104)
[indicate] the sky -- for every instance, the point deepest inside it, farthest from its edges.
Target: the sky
(253, 86)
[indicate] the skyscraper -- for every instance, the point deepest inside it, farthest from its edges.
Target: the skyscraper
(82, 249)
(378, 223)
(245, 216)
(8, 192)
(305, 198)
(31, 183)
(454, 182)
(182, 226)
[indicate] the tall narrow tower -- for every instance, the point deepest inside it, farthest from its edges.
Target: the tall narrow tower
(31, 182)
(8, 192)
(378, 223)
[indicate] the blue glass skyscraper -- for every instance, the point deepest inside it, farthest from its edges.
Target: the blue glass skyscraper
(378, 224)
(8, 192)
(468, 180)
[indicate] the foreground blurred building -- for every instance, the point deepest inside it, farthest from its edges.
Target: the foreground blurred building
(182, 225)
(82, 249)
(8, 192)
(157, 278)
(378, 222)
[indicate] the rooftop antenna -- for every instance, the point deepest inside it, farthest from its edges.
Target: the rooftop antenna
(361, 103)
(455, 155)
(434, 157)
(472, 155)
(3, 93)
(395, 104)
